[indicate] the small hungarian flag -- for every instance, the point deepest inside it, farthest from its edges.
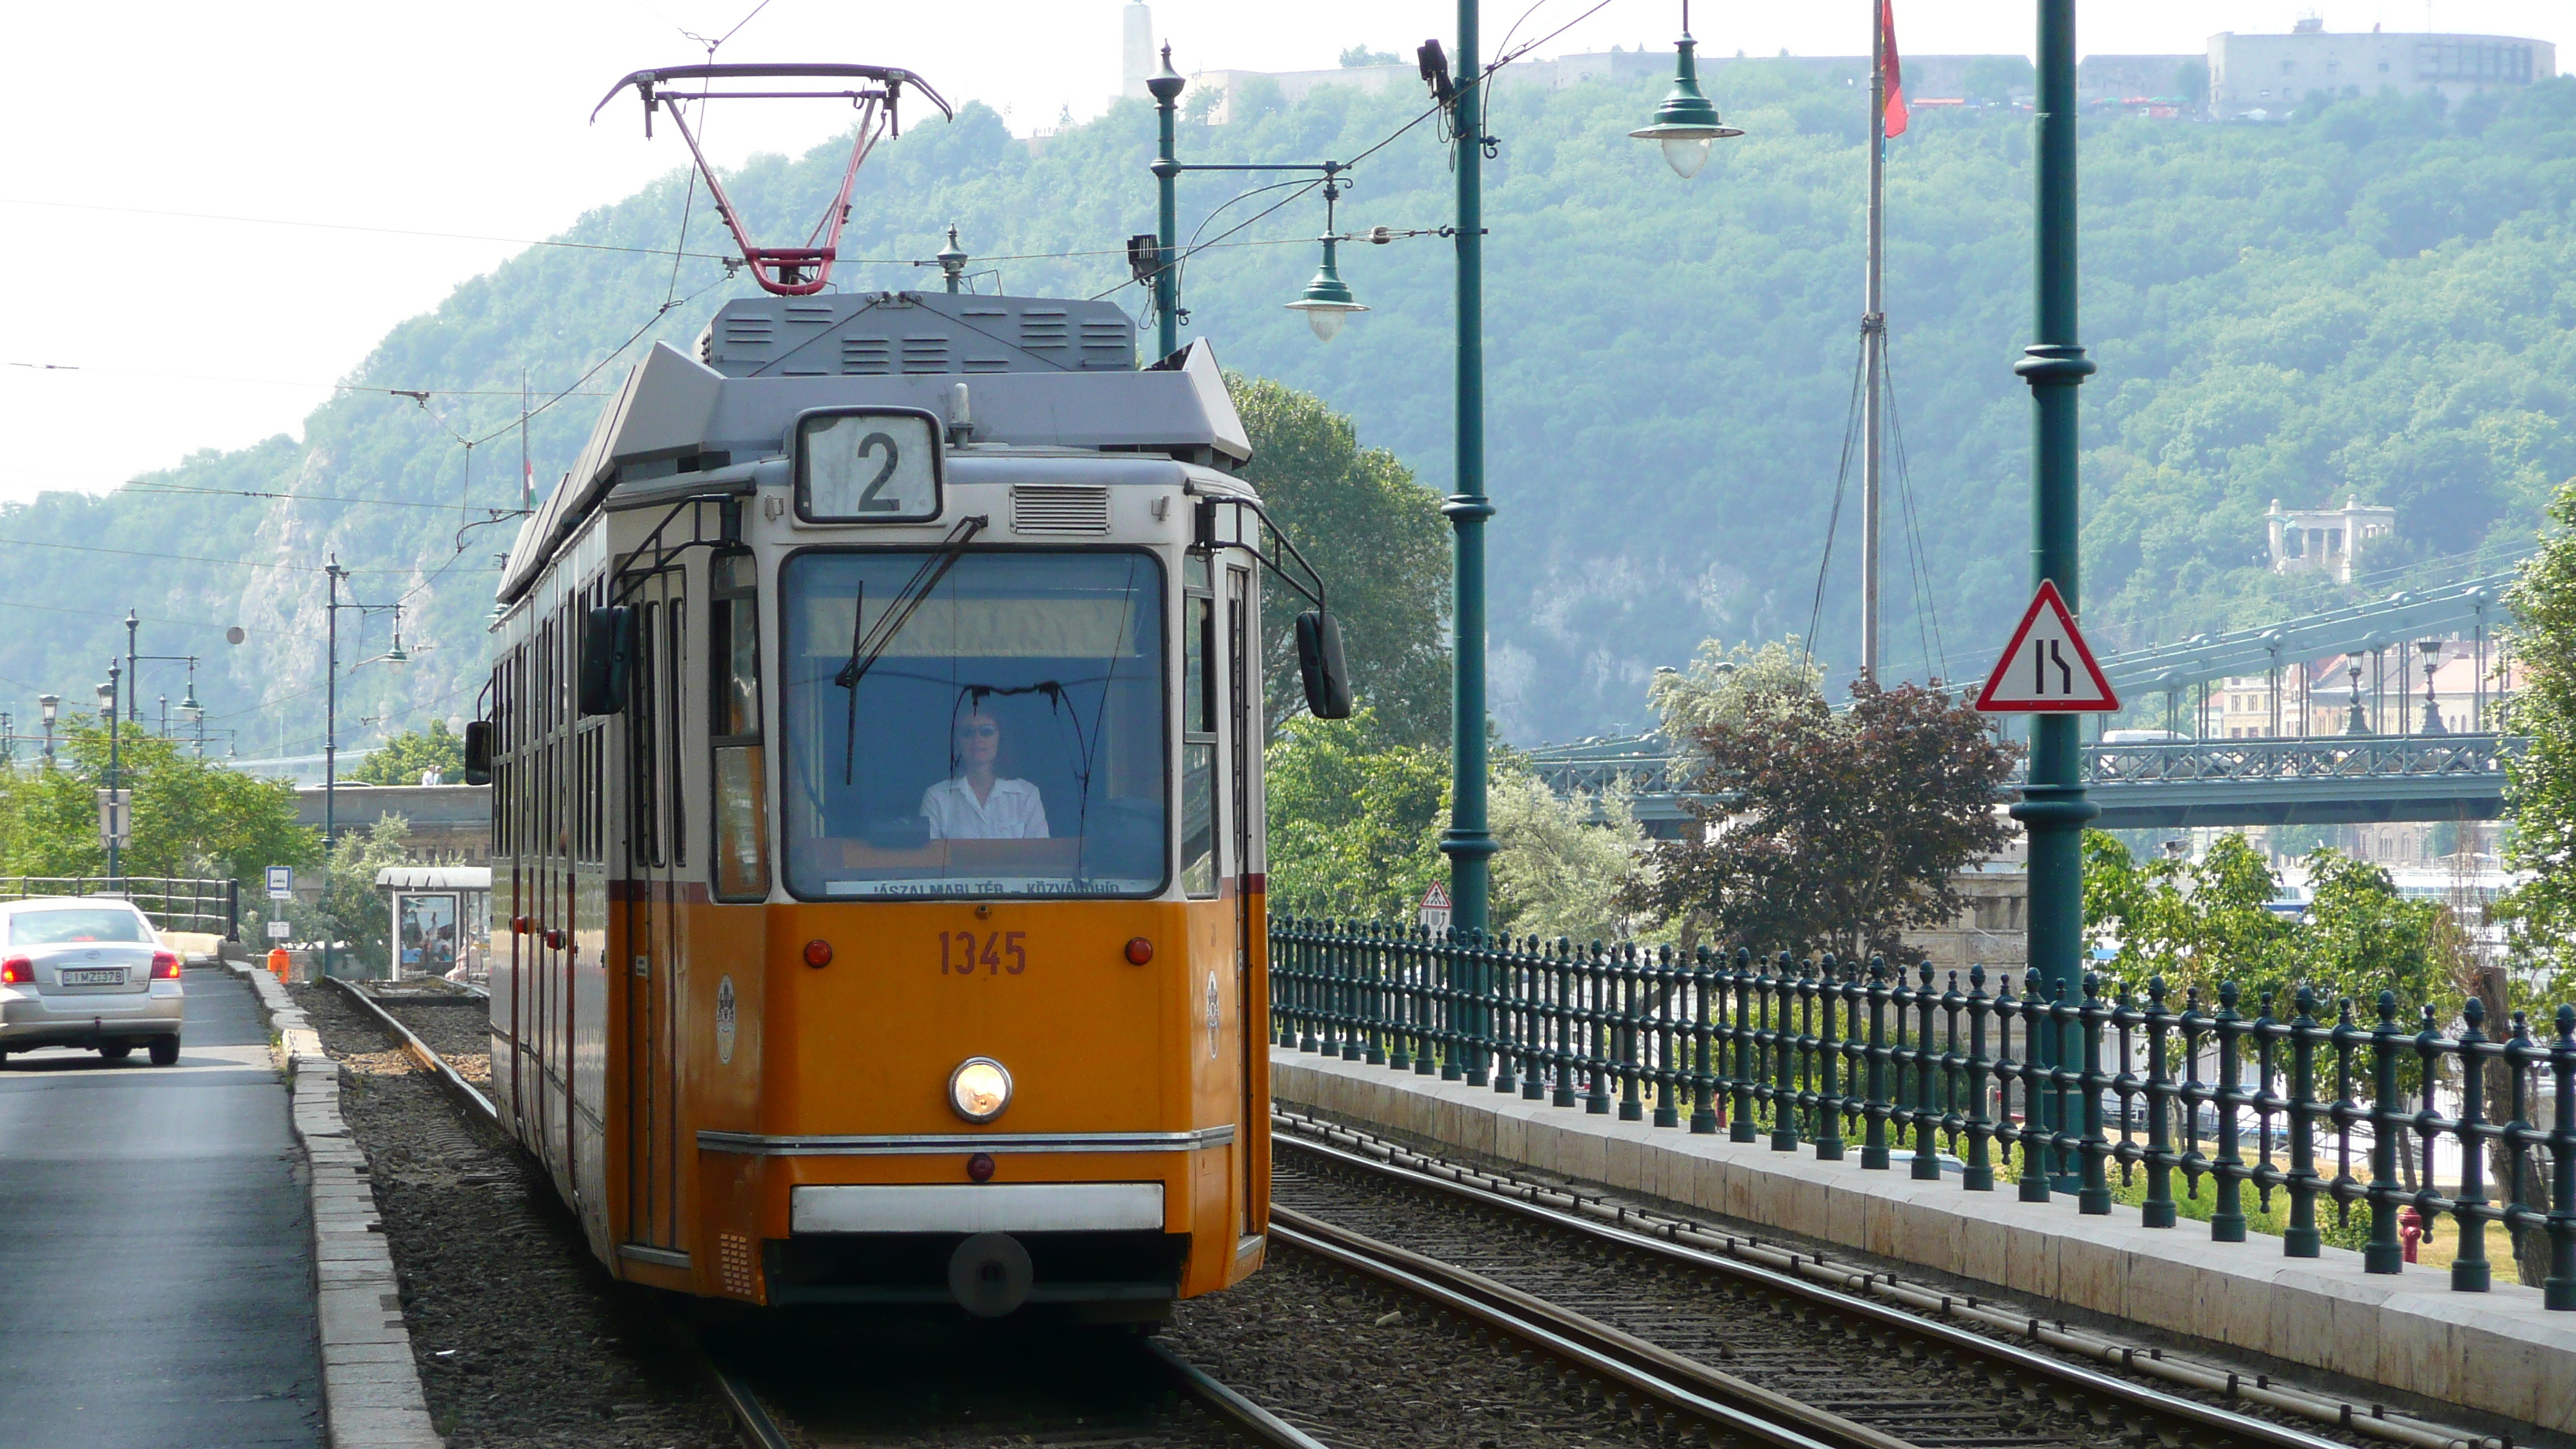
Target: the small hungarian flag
(1893, 121)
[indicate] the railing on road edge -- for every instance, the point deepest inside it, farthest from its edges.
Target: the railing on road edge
(175, 903)
(1818, 1052)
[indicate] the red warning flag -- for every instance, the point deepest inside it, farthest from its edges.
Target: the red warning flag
(1896, 114)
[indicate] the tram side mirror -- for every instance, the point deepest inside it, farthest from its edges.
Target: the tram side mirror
(607, 646)
(1319, 659)
(478, 752)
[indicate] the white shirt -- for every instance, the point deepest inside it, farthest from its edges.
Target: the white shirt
(1014, 811)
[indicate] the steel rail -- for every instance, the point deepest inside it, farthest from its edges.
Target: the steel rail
(1727, 1403)
(1889, 1302)
(419, 1051)
(1239, 1413)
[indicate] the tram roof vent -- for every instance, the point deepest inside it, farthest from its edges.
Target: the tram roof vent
(1060, 508)
(856, 332)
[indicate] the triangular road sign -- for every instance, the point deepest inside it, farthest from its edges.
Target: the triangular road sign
(2047, 669)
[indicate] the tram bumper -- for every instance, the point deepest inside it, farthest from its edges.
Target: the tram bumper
(1094, 1250)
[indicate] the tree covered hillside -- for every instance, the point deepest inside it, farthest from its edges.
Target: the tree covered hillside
(2371, 299)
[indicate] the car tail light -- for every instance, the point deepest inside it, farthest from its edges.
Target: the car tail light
(165, 966)
(18, 971)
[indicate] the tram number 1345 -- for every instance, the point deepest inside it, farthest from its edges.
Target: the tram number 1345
(1001, 951)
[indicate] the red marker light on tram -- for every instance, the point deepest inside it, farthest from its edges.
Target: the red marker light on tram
(980, 1167)
(1139, 951)
(818, 954)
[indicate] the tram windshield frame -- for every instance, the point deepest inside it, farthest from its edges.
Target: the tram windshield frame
(1063, 654)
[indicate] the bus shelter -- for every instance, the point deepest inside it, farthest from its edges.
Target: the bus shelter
(442, 920)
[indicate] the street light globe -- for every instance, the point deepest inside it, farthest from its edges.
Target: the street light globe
(107, 701)
(1687, 154)
(48, 704)
(1327, 300)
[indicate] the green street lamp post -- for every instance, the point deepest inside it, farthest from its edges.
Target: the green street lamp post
(2053, 808)
(1468, 842)
(115, 776)
(1327, 300)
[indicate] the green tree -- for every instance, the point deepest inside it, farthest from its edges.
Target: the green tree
(1563, 865)
(351, 910)
(402, 759)
(2192, 924)
(1359, 55)
(2540, 914)
(1377, 538)
(2361, 938)
(191, 817)
(1838, 831)
(1354, 821)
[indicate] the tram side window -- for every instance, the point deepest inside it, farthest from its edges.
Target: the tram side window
(1198, 729)
(675, 673)
(741, 768)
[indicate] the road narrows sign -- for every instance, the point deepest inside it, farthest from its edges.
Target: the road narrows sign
(2047, 669)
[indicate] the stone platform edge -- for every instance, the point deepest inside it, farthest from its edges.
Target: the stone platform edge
(370, 1383)
(2497, 1351)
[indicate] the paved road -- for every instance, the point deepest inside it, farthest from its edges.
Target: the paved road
(156, 1280)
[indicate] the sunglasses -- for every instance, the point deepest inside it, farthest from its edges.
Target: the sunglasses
(978, 732)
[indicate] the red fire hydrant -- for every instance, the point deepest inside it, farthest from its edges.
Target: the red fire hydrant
(2410, 1230)
(280, 964)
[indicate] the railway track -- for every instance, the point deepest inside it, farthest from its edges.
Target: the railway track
(1677, 1312)
(1231, 1412)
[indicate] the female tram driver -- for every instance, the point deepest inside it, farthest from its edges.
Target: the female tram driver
(977, 805)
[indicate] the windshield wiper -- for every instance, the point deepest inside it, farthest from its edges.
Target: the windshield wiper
(867, 645)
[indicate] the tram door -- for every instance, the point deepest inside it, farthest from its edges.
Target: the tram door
(1242, 649)
(655, 850)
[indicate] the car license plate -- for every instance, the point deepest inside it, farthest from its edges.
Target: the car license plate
(94, 976)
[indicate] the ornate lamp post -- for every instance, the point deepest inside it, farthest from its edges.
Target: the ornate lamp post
(107, 712)
(2432, 651)
(46, 705)
(2356, 719)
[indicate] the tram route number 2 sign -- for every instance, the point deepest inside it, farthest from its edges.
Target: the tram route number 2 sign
(2047, 668)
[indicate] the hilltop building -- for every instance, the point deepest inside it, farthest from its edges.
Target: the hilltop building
(2326, 538)
(2258, 76)
(1135, 51)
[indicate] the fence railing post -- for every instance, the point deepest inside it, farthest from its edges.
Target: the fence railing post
(1741, 985)
(2227, 1220)
(2095, 1195)
(2300, 1239)
(2469, 1270)
(1978, 1068)
(1875, 1106)
(1784, 1059)
(1561, 967)
(2383, 1254)
(1667, 1076)
(1503, 1000)
(1927, 1114)
(1625, 1043)
(1829, 1087)
(2558, 1291)
(1597, 1029)
(1703, 1122)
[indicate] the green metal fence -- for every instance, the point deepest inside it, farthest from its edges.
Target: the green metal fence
(2046, 1092)
(174, 903)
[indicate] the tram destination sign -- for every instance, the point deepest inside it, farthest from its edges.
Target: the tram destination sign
(2047, 668)
(868, 465)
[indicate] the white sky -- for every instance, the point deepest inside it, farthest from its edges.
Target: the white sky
(471, 116)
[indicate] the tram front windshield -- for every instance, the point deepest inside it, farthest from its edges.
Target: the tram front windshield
(1001, 733)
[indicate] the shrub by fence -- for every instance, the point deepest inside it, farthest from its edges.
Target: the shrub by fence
(2053, 1091)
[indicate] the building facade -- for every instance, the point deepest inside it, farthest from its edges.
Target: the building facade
(2256, 77)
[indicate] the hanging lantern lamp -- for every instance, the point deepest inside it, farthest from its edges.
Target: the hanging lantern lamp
(1687, 123)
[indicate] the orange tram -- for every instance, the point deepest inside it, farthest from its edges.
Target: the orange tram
(875, 729)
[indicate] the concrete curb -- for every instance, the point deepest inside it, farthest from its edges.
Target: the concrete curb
(370, 1383)
(2499, 1351)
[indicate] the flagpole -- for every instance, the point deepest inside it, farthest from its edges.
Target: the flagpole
(1873, 332)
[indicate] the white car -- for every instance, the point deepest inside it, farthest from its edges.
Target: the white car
(87, 971)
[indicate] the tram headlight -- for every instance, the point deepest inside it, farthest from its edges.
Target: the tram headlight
(979, 1089)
